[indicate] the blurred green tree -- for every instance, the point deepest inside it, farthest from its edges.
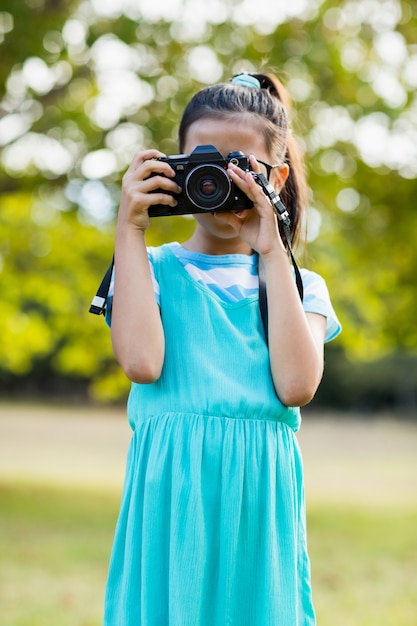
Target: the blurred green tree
(84, 84)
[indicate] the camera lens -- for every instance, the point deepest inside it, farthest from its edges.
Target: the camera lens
(208, 187)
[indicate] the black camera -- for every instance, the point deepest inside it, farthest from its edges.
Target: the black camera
(206, 186)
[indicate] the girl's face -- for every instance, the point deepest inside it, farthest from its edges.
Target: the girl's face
(229, 135)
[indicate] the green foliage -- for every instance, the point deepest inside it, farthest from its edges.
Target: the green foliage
(83, 85)
(388, 383)
(51, 267)
(49, 273)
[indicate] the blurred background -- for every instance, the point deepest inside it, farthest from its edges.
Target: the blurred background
(84, 84)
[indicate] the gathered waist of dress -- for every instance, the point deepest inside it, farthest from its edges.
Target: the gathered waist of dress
(291, 417)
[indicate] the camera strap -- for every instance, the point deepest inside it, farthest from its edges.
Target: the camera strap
(283, 216)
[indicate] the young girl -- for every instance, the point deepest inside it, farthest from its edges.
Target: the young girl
(211, 530)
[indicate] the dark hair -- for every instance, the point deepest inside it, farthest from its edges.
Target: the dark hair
(271, 106)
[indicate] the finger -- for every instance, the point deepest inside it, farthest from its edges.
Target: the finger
(159, 167)
(154, 183)
(161, 198)
(139, 199)
(144, 161)
(254, 164)
(145, 155)
(148, 169)
(246, 182)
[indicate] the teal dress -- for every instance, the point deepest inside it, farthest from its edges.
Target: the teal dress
(211, 530)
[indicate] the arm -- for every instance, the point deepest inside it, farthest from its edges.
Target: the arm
(136, 329)
(295, 338)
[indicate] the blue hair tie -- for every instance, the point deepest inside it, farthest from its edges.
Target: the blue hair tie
(246, 80)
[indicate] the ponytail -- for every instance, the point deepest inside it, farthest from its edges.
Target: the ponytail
(294, 194)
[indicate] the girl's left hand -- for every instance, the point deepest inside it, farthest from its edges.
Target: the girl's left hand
(258, 226)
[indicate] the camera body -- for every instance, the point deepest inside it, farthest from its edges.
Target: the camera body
(206, 186)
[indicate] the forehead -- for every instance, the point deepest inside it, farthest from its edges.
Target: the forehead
(238, 132)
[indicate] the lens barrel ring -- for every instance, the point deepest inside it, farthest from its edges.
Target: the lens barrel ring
(208, 187)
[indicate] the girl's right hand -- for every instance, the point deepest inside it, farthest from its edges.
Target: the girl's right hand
(139, 188)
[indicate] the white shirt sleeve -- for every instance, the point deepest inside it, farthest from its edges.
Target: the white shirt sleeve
(317, 300)
(109, 303)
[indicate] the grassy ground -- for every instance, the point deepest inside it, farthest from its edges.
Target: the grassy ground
(55, 545)
(58, 510)
(364, 565)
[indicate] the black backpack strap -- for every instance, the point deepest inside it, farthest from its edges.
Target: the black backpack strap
(98, 303)
(263, 300)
